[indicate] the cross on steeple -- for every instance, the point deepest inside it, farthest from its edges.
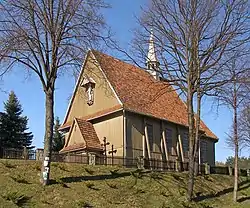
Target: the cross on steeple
(152, 62)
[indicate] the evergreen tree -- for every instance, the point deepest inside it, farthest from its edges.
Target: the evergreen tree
(13, 126)
(58, 138)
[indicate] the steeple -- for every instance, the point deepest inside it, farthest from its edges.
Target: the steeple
(152, 62)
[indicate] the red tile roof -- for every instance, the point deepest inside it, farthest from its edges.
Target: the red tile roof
(89, 134)
(141, 93)
(74, 147)
(91, 141)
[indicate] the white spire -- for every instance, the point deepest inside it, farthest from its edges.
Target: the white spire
(152, 62)
(151, 49)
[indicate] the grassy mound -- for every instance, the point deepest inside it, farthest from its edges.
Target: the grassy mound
(76, 185)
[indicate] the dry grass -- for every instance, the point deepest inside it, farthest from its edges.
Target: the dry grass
(75, 185)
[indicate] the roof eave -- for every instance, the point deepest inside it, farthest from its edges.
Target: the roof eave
(62, 128)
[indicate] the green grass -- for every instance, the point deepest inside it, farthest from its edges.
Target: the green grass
(75, 185)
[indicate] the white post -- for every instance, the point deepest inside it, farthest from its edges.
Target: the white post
(181, 147)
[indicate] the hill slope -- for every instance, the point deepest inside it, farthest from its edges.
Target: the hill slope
(76, 185)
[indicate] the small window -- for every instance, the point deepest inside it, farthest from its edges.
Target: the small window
(169, 140)
(203, 149)
(150, 136)
(185, 143)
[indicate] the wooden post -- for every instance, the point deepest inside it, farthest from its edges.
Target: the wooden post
(25, 153)
(177, 149)
(147, 141)
(143, 146)
(230, 170)
(181, 148)
(165, 144)
(177, 164)
(207, 169)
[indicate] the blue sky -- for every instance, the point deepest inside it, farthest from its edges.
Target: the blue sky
(30, 93)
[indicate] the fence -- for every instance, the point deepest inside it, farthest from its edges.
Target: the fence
(17, 154)
(139, 162)
(228, 171)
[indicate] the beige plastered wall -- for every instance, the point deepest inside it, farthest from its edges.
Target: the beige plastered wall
(75, 137)
(111, 127)
(104, 96)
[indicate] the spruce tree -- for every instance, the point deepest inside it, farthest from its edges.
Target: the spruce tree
(13, 126)
(58, 138)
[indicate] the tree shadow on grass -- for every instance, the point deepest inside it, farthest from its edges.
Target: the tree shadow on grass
(244, 198)
(243, 185)
(73, 179)
(18, 199)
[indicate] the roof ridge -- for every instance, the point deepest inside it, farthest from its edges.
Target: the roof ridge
(120, 60)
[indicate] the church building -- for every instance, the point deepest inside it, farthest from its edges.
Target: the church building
(137, 112)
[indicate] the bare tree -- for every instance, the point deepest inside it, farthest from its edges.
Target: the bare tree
(191, 38)
(244, 126)
(48, 37)
(234, 95)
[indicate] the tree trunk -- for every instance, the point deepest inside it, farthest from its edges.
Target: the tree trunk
(235, 174)
(196, 164)
(197, 127)
(191, 145)
(236, 144)
(49, 122)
